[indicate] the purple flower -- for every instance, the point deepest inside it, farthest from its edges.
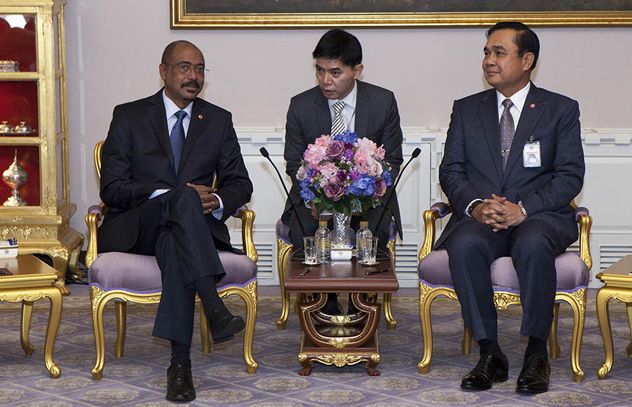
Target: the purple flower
(341, 176)
(335, 150)
(349, 152)
(354, 175)
(380, 187)
(334, 191)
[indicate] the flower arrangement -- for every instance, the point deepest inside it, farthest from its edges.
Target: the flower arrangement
(343, 173)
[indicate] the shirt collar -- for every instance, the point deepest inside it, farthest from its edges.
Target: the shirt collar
(171, 108)
(350, 99)
(518, 99)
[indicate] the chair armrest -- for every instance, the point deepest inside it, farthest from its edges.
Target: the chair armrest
(94, 216)
(247, 217)
(584, 220)
(430, 216)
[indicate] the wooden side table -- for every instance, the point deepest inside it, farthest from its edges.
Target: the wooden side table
(618, 285)
(340, 340)
(30, 280)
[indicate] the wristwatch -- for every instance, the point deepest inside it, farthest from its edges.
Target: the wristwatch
(523, 211)
(473, 206)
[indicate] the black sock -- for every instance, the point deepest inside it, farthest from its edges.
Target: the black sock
(207, 290)
(181, 353)
(536, 345)
(489, 346)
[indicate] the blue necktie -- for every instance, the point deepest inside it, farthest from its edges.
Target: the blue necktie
(177, 138)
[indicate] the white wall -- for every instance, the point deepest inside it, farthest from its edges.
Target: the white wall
(114, 47)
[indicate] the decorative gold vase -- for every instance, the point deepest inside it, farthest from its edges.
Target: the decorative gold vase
(15, 176)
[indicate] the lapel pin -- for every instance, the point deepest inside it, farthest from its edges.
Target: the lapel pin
(201, 116)
(532, 106)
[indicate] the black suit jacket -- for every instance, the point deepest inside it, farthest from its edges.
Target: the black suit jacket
(472, 166)
(376, 118)
(137, 159)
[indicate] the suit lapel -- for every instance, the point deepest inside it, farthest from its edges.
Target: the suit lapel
(157, 116)
(361, 111)
(531, 111)
(196, 126)
(322, 112)
(488, 113)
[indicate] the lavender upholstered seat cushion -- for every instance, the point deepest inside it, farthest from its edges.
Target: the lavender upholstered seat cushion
(571, 272)
(138, 273)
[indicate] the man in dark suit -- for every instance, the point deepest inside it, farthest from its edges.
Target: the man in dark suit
(158, 164)
(367, 110)
(513, 163)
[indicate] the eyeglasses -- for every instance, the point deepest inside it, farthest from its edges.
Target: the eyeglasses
(185, 67)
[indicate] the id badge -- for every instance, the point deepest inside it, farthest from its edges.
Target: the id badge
(531, 155)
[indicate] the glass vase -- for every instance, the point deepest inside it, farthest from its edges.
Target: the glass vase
(342, 234)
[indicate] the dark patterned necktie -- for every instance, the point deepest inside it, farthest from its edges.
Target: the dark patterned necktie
(506, 131)
(177, 138)
(338, 125)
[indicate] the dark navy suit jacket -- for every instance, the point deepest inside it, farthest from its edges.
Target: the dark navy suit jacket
(472, 166)
(137, 159)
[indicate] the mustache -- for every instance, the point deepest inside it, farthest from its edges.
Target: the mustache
(191, 83)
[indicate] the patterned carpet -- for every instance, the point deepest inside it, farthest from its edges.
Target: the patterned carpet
(138, 379)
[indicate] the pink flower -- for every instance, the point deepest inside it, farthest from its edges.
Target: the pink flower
(314, 155)
(328, 171)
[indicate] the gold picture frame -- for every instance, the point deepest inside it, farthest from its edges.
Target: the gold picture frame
(200, 14)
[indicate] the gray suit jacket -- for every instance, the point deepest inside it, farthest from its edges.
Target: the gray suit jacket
(472, 166)
(308, 117)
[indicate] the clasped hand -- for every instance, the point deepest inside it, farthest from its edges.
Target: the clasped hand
(209, 201)
(498, 213)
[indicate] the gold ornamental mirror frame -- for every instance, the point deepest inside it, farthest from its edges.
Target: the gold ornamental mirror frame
(201, 14)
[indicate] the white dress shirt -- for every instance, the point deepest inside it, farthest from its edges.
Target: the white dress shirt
(348, 112)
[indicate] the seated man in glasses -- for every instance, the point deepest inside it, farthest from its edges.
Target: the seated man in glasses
(159, 159)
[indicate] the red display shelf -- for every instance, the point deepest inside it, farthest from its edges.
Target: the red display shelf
(18, 103)
(17, 42)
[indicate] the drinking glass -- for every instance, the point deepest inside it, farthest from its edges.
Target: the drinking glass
(309, 247)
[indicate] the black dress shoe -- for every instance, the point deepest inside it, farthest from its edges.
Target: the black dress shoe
(180, 383)
(224, 325)
(534, 376)
(489, 369)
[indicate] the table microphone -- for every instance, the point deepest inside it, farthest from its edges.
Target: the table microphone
(414, 155)
(266, 154)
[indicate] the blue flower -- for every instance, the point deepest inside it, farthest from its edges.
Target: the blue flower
(346, 137)
(387, 177)
(363, 186)
(307, 194)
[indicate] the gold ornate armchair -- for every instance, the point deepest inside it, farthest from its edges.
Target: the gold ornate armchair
(135, 278)
(573, 273)
(284, 251)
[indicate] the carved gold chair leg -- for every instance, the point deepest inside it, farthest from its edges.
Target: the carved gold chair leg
(98, 300)
(120, 310)
(554, 346)
(466, 342)
(628, 307)
(283, 256)
(391, 323)
(249, 295)
(73, 258)
(205, 338)
(25, 326)
(577, 302)
(427, 295)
